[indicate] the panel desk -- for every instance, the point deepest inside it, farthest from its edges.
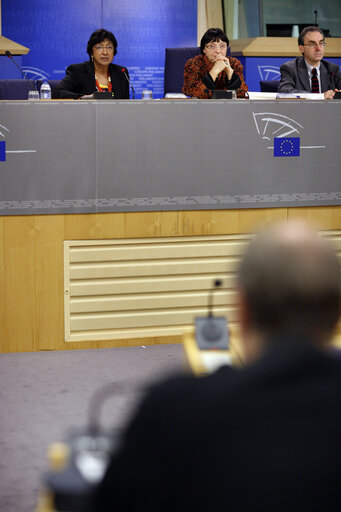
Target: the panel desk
(87, 157)
(138, 171)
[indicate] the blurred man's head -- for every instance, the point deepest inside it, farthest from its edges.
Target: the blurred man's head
(289, 281)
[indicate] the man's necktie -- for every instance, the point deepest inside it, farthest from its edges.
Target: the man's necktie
(314, 81)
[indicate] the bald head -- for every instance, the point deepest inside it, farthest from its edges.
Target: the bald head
(290, 278)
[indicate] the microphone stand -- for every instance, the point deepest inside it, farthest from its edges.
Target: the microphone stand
(132, 88)
(10, 56)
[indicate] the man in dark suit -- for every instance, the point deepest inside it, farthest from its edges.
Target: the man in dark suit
(263, 438)
(310, 73)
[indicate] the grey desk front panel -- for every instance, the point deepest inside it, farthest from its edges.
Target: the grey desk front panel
(85, 157)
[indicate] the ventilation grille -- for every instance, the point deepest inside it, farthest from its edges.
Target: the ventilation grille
(152, 287)
(155, 287)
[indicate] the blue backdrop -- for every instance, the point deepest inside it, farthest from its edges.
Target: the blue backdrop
(57, 33)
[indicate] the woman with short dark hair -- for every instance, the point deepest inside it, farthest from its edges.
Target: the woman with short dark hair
(213, 70)
(96, 74)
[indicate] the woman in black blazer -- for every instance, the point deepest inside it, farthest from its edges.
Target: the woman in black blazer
(97, 74)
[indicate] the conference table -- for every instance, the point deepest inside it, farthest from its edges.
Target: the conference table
(167, 188)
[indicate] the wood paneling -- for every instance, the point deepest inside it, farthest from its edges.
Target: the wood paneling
(277, 47)
(31, 262)
(210, 14)
(319, 217)
(19, 301)
(214, 12)
(49, 280)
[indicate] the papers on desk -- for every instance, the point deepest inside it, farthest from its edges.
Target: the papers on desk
(300, 95)
(212, 360)
(175, 96)
(278, 95)
(262, 95)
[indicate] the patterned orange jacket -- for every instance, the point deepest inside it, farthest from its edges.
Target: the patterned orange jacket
(198, 83)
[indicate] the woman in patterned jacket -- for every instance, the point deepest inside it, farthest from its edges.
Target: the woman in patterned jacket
(213, 69)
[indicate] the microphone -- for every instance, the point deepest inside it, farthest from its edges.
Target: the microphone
(10, 56)
(124, 71)
(207, 347)
(315, 12)
(211, 332)
(77, 465)
(217, 283)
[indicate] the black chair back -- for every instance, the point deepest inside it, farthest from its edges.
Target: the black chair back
(269, 85)
(18, 88)
(15, 88)
(175, 60)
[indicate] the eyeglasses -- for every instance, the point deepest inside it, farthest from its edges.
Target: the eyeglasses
(101, 49)
(315, 45)
(211, 47)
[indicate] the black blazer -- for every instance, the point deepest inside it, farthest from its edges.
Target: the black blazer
(80, 80)
(294, 76)
(260, 439)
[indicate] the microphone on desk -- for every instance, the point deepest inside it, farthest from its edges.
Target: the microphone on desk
(207, 347)
(124, 71)
(211, 332)
(10, 56)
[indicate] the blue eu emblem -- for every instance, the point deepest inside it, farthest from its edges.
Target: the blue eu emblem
(287, 146)
(2, 151)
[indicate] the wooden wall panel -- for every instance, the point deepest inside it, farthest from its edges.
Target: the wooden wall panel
(31, 262)
(149, 224)
(319, 217)
(19, 301)
(49, 267)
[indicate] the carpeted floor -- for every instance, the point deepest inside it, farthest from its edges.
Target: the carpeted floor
(46, 394)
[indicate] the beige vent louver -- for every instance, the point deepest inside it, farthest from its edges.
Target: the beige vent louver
(146, 287)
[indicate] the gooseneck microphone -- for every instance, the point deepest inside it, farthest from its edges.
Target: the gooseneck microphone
(10, 56)
(217, 283)
(315, 12)
(211, 332)
(124, 71)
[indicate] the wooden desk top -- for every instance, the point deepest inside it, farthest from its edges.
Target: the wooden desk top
(278, 47)
(14, 48)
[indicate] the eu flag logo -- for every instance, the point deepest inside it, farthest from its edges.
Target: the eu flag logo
(285, 146)
(2, 151)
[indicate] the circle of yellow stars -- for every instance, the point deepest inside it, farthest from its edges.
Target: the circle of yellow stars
(285, 143)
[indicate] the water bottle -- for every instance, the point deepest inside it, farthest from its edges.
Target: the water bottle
(45, 91)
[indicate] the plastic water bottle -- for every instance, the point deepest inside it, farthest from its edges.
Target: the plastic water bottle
(45, 91)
